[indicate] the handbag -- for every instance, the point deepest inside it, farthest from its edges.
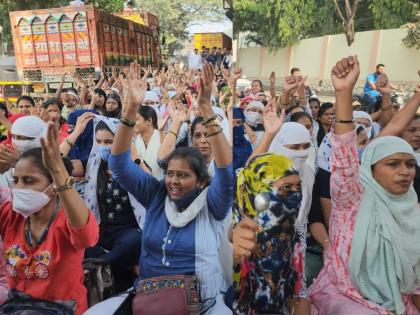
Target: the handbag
(167, 295)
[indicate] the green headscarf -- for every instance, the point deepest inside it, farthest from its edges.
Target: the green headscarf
(385, 254)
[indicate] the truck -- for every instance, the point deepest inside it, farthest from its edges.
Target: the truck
(210, 40)
(85, 40)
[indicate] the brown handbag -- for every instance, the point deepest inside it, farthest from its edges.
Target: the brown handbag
(167, 295)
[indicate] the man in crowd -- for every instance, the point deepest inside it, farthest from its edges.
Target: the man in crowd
(194, 60)
(371, 93)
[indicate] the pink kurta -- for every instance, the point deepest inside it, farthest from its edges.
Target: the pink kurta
(3, 280)
(333, 291)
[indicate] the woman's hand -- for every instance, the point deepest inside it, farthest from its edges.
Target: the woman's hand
(289, 84)
(244, 238)
(206, 87)
(136, 88)
(9, 155)
(51, 155)
(345, 74)
(272, 122)
(82, 122)
(383, 85)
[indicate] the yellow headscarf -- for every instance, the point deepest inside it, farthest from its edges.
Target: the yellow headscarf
(257, 176)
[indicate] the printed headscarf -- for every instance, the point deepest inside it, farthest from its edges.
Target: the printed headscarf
(258, 177)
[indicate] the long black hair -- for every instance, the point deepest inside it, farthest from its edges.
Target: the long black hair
(117, 112)
(195, 161)
(148, 112)
(321, 133)
(102, 179)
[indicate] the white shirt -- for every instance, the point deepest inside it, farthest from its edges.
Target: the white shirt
(194, 61)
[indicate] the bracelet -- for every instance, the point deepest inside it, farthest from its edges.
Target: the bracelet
(340, 121)
(69, 142)
(173, 132)
(213, 118)
(214, 134)
(128, 123)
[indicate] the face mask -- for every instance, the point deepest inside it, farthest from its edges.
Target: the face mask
(26, 145)
(253, 118)
(291, 203)
(183, 202)
(104, 152)
(298, 156)
(29, 201)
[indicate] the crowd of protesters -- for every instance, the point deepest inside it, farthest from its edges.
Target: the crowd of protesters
(326, 207)
(250, 201)
(133, 171)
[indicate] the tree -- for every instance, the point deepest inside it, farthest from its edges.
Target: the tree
(273, 31)
(273, 24)
(348, 21)
(176, 15)
(412, 39)
(393, 13)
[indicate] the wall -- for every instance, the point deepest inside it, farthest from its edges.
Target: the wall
(316, 56)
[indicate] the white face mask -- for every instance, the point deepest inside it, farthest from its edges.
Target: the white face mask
(253, 118)
(29, 201)
(26, 145)
(297, 156)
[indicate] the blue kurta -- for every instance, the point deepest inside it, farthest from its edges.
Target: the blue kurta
(192, 249)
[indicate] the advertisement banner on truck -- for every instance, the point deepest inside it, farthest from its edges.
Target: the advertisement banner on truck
(25, 32)
(54, 43)
(67, 41)
(82, 40)
(40, 43)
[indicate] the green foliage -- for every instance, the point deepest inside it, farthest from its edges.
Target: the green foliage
(278, 23)
(412, 39)
(392, 13)
(176, 15)
(274, 23)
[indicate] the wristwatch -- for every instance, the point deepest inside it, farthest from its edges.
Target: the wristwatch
(68, 185)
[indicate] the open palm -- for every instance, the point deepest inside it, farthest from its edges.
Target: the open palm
(272, 122)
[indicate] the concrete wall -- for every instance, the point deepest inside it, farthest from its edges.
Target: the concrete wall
(316, 56)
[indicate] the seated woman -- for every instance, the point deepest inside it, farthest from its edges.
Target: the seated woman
(26, 133)
(46, 228)
(269, 270)
(185, 212)
(113, 106)
(149, 139)
(372, 265)
(53, 107)
(119, 234)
